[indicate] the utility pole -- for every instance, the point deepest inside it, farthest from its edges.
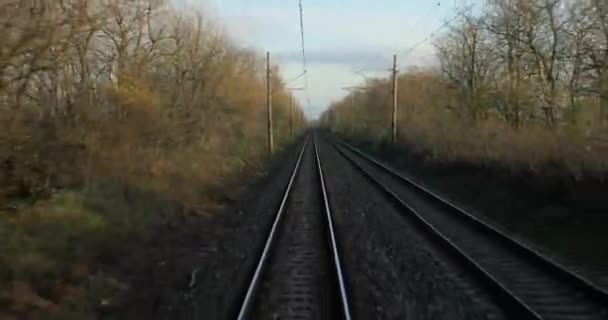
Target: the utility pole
(395, 93)
(269, 104)
(291, 105)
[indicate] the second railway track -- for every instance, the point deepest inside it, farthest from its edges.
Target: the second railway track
(524, 283)
(299, 275)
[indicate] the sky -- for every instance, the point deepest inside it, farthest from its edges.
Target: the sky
(341, 37)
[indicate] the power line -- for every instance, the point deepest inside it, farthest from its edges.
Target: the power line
(427, 15)
(302, 36)
(361, 72)
(432, 34)
(416, 45)
(296, 78)
(304, 63)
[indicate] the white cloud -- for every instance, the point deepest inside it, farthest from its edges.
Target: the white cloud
(339, 39)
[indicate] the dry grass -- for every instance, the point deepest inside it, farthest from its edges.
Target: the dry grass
(539, 150)
(434, 121)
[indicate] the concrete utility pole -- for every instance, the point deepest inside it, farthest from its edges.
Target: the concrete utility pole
(269, 104)
(395, 93)
(291, 105)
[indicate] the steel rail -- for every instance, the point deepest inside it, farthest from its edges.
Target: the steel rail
(332, 238)
(255, 280)
(508, 301)
(247, 306)
(505, 290)
(595, 292)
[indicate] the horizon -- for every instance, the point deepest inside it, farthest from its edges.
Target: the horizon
(337, 46)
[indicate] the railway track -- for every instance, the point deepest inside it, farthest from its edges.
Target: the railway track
(524, 283)
(299, 275)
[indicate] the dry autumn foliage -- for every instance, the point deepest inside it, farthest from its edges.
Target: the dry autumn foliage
(520, 84)
(105, 105)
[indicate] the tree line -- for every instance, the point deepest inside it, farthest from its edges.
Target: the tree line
(526, 60)
(119, 120)
(513, 79)
(135, 83)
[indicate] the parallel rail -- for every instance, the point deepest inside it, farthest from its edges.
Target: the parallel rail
(526, 284)
(269, 258)
(332, 239)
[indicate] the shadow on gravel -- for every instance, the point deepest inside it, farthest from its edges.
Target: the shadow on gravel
(561, 216)
(392, 271)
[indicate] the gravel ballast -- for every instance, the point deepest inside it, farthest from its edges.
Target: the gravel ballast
(238, 238)
(199, 267)
(392, 271)
(202, 266)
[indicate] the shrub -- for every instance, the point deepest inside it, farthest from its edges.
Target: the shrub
(55, 233)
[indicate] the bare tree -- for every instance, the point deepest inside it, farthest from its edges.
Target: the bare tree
(597, 52)
(464, 58)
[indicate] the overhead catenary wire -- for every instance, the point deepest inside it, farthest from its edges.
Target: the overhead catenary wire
(425, 17)
(361, 72)
(302, 39)
(417, 44)
(295, 78)
(431, 35)
(395, 70)
(304, 60)
(446, 24)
